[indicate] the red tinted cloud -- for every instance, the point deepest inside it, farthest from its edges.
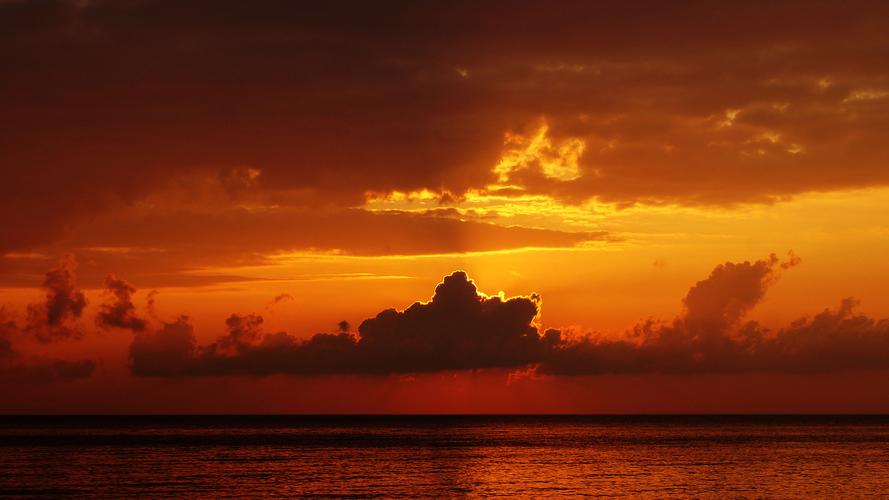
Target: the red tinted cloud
(168, 351)
(17, 367)
(156, 244)
(119, 312)
(698, 103)
(711, 336)
(64, 303)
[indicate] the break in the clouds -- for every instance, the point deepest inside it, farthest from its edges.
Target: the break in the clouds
(115, 103)
(461, 329)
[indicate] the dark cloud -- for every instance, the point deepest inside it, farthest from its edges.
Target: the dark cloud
(7, 328)
(711, 336)
(836, 340)
(459, 329)
(698, 103)
(64, 304)
(281, 298)
(120, 312)
(172, 351)
(168, 351)
(731, 290)
(14, 367)
(150, 301)
(46, 370)
(46, 322)
(707, 337)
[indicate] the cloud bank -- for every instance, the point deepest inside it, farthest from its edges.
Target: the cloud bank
(711, 335)
(461, 329)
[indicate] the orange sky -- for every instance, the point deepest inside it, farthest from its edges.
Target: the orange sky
(658, 208)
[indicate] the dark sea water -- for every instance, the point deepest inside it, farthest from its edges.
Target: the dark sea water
(445, 456)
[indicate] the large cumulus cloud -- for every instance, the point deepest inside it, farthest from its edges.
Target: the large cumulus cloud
(458, 329)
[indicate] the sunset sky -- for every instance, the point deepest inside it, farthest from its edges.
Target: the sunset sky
(460, 207)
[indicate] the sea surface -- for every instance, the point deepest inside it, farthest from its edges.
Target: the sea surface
(445, 456)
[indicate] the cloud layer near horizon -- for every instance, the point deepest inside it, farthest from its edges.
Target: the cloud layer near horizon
(460, 329)
(463, 329)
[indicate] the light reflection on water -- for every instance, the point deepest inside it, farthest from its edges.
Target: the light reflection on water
(798, 457)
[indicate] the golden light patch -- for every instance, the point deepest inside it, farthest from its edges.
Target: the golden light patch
(557, 161)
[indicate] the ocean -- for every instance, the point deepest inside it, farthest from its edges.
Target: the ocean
(445, 456)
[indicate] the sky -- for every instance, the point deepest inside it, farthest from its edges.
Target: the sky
(452, 207)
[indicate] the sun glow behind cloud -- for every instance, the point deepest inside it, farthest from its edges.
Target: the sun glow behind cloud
(557, 161)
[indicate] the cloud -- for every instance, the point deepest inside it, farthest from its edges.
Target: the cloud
(705, 338)
(280, 298)
(711, 336)
(458, 329)
(7, 327)
(120, 311)
(14, 367)
(157, 245)
(150, 300)
(325, 104)
(46, 322)
(172, 351)
(731, 290)
(64, 303)
(838, 340)
(46, 370)
(168, 351)
(352, 232)
(462, 329)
